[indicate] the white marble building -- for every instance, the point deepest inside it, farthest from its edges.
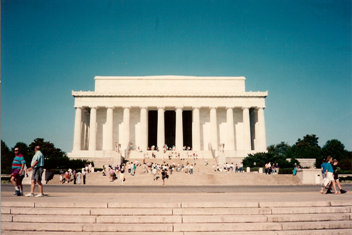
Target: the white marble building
(206, 114)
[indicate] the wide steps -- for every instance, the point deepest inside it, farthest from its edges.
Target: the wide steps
(186, 218)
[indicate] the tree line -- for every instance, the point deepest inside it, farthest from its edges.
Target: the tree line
(307, 147)
(54, 158)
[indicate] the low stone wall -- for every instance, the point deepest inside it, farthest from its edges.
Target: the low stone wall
(309, 176)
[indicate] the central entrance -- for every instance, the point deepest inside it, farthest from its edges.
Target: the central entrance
(170, 128)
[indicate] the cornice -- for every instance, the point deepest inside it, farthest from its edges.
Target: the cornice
(169, 77)
(261, 94)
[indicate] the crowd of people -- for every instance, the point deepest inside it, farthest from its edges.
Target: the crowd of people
(271, 168)
(228, 167)
(76, 176)
(157, 170)
(162, 171)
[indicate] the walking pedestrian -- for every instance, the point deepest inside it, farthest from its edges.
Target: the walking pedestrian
(17, 169)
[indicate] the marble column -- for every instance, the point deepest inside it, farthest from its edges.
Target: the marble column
(260, 130)
(213, 129)
(230, 129)
(179, 129)
(246, 129)
(196, 130)
(143, 128)
(77, 138)
(126, 128)
(108, 134)
(93, 129)
(161, 128)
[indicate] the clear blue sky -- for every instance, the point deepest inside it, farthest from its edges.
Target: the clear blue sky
(298, 50)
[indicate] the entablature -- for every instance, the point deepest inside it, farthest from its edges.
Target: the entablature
(262, 94)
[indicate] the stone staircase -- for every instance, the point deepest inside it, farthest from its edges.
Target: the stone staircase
(179, 218)
(161, 155)
(204, 174)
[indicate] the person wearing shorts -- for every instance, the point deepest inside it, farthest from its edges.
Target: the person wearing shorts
(330, 174)
(336, 176)
(37, 165)
(17, 169)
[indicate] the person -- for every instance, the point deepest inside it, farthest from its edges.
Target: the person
(122, 176)
(112, 174)
(74, 176)
(336, 177)
(84, 173)
(79, 178)
(17, 169)
(294, 172)
(329, 175)
(37, 165)
(164, 175)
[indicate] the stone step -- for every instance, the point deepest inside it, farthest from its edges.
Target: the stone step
(177, 219)
(302, 217)
(194, 227)
(88, 233)
(265, 218)
(82, 204)
(175, 211)
(91, 219)
(132, 211)
(230, 227)
(310, 210)
(16, 226)
(309, 217)
(295, 232)
(292, 232)
(222, 211)
(346, 224)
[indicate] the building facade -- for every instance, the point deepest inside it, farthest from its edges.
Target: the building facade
(133, 116)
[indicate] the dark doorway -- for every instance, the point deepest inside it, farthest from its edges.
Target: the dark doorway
(187, 128)
(152, 127)
(170, 128)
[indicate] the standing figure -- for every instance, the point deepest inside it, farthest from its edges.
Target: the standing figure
(17, 170)
(74, 176)
(37, 165)
(84, 173)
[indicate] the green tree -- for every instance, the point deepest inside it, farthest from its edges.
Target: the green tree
(307, 148)
(256, 160)
(281, 150)
(54, 158)
(6, 158)
(335, 149)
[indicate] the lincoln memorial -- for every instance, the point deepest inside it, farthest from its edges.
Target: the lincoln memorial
(136, 116)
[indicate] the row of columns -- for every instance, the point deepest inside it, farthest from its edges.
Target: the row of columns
(230, 143)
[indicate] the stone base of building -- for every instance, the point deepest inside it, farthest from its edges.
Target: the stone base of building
(101, 158)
